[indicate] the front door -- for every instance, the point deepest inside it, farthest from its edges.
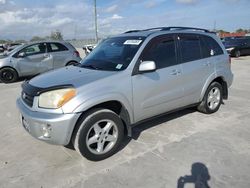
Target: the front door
(35, 60)
(159, 91)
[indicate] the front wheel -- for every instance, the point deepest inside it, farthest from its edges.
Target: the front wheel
(8, 75)
(100, 134)
(72, 63)
(212, 99)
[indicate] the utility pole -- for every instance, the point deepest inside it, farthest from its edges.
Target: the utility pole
(96, 29)
(215, 23)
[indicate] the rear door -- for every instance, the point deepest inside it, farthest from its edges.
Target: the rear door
(159, 91)
(60, 53)
(36, 59)
(196, 65)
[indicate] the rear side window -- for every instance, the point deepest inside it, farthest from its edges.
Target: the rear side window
(57, 47)
(190, 48)
(214, 47)
(162, 51)
(205, 48)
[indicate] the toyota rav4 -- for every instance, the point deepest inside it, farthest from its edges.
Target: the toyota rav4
(125, 80)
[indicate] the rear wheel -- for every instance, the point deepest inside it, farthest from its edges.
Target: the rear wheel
(8, 75)
(212, 100)
(100, 134)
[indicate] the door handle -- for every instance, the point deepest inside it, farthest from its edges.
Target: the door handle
(46, 55)
(207, 64)
(175, 72)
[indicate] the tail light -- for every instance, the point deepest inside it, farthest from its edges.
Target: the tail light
(230, 61)
(76, 53)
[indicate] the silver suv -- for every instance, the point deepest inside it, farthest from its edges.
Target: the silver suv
(35, 58)
(127, 79)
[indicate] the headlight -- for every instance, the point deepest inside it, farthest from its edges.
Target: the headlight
(229, 49)
(56, 98)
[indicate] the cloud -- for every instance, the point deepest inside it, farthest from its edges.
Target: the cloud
(111, 9)
(152, 4)
(187, 1)
(20, 22)
(116, 17)
(2, 2)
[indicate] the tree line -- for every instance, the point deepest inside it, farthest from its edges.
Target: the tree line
(55, 35)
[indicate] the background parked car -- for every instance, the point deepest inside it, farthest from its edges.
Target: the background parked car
(237, 46)
(88, 48)
(12, 47)
(35, 58)
(2, 49)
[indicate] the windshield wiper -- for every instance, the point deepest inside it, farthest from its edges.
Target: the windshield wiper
(91, 66)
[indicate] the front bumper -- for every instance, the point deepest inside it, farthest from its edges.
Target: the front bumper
(52, 128)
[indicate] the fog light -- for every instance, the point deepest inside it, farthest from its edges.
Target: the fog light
(46, 130)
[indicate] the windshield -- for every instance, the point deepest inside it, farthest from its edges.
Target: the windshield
(113, 54)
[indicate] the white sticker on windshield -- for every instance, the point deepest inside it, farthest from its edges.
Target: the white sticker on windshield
(119, 66)
(132, 42)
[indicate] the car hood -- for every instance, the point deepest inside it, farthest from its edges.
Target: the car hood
(71, 75)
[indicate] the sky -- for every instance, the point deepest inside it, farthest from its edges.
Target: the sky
(23, 19)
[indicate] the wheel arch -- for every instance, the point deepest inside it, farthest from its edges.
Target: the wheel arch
(70, 62)
(219, 79)
(10, 68)
(113, 105)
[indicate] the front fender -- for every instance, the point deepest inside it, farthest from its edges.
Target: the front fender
(91, 102)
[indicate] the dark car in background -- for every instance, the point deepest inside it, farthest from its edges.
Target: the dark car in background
(237, 47)
(2, 49)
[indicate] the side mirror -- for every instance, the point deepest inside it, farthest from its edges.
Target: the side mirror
(22, 54)
(147, 66)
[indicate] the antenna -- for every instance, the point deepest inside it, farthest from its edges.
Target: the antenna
(96, 30)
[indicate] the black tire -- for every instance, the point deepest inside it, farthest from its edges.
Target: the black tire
(205, 105)
(8, 75)
(72, 63)
(86, 125)
(237, 53)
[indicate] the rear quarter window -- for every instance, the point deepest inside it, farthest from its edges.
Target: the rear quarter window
(213, 46)
(57, 47)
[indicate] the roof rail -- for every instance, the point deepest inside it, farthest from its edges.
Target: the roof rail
(171, 28)
(132, 31)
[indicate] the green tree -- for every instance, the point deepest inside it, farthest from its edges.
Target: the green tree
(37, 38)
(240, 30)
(2, 41)
(56, 35)
(20, 41)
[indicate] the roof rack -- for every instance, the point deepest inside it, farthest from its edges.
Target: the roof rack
(171, 28)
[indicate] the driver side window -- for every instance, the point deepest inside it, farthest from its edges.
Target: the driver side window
(162, 51)
(34, 49)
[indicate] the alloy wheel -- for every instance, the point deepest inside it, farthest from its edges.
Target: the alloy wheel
(102, 137)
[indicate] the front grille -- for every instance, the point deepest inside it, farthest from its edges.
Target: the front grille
(28, 99)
